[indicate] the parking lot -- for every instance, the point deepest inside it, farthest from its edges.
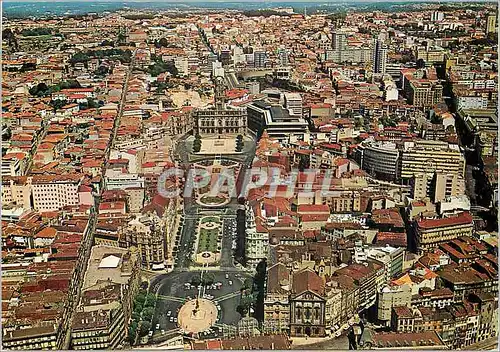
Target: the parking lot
(172, 292)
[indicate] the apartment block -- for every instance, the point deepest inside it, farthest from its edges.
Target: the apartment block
(429, 233)
(102, 329)
(428, 157)
(421, 87)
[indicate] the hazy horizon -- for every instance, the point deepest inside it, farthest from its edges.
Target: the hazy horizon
(249, 1)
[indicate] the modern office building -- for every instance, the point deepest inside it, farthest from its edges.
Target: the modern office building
(437, 187)
(293, 102)
(259, 59)
(390, 296)
(52, 192)
(256, 241)
(39, 337)
(339, 40)
(380, 159)
(437, 16)
(283, 55)
(275, 119)
(100, 329)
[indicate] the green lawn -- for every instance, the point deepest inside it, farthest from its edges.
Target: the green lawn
(210, 219)
(208, 240)
(212, 199)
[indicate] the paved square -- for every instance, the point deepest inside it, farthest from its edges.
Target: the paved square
(197, 315)
(218, 146)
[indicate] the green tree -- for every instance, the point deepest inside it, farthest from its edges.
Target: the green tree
(163, 42)
(247, 284)
(147, 313)
(259, 289)
(195, 280)
(132, 331)
(239, 143)
(92, 104)
(140, 298)
(197, 143)
(101, 71)
(208, 279)
(57, 104)
(40, 90)
(137, 308)
(36, 32)
(196, 146)
(144, 329)
(150, 300)
(159, 66)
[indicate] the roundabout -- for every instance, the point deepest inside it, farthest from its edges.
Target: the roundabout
(197, 315)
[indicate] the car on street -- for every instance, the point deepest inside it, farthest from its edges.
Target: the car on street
(227, 276)
(171, 319)
(230, 282)
(169, 313)
(157, 326)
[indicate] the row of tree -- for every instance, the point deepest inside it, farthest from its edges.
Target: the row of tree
(239, 143)
(33, 32)
(253, 293)
(125, 56)
(43, 90)
(140, 324)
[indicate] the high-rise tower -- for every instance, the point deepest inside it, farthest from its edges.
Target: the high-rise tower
(379, 57)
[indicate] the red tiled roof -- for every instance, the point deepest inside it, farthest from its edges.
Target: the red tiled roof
(307, 280)
(463, 218)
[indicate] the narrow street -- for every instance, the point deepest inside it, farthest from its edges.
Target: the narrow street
(89, 234)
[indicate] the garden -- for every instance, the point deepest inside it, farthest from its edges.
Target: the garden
(140, 324)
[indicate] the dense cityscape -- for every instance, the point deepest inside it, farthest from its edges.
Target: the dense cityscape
(290, 177)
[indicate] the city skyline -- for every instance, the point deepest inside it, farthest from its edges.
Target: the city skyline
(254, 175)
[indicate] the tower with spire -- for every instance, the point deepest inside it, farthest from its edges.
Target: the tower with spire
(220, 93)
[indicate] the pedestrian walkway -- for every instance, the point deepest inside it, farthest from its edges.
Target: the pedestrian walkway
(171, 298)
(227, 296)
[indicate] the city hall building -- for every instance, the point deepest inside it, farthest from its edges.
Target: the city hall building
(222, 119)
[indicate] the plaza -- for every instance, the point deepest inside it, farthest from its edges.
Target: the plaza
(209, 237)
(197, 315)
